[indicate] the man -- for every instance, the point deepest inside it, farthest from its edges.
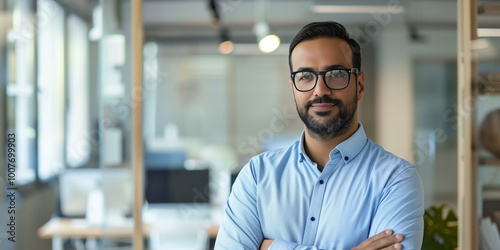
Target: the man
(334, 188)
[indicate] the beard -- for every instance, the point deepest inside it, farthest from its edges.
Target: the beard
(336, 126)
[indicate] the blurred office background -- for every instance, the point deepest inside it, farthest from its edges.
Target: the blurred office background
(66, 94)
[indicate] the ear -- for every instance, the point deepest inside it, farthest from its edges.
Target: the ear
(361, 86)
(292, 88)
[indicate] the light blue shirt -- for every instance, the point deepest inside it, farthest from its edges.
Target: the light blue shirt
(361, 191)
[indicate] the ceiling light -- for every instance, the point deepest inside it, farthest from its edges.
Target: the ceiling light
(357, 9)
(267, 42)
(226, 46)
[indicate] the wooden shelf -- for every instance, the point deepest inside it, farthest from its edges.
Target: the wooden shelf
(490, 161)
(489, 9)
(493, 89)
(491, 193)
(489, 83)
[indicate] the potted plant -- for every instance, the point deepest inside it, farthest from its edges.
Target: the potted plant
(440, 231)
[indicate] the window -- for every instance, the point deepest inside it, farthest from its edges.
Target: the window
(20, 106)
(78, 125)
(51, 89)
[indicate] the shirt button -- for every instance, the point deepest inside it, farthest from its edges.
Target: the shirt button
(346, 158)
(313, 219)
(321, 182)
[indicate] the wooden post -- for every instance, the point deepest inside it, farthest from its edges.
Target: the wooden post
(137, 146)
(468, 234)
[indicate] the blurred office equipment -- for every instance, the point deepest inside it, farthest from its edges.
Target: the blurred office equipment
(94, 203)
(177, 186)
(178, 236)
(178, 208)
(159, 160)
(77, 184)
(178, 199)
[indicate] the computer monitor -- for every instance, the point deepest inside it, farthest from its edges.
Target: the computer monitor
(177, 186)
(76, 184)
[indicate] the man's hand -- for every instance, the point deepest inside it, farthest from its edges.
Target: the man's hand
(266, 244)
(382, 241)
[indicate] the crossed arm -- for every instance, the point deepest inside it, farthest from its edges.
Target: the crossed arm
(383, 241)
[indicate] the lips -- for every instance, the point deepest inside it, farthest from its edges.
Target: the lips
(322, 106)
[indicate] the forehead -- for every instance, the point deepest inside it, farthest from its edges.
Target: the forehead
(320, 53)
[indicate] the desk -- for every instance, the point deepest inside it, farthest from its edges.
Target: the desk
(59, 228)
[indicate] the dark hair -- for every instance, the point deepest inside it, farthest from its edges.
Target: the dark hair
(326, 30)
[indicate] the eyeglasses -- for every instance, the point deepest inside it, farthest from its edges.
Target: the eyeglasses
(334, 79)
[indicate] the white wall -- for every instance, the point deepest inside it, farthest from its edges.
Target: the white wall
(394, 93)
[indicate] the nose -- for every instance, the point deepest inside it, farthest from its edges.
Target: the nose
(321, 89)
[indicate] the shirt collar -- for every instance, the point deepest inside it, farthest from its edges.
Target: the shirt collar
(351, 147)
(348, 149)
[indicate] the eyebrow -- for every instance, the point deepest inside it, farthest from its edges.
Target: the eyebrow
(330, 67)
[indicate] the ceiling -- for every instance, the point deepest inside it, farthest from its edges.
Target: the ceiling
(190, 20)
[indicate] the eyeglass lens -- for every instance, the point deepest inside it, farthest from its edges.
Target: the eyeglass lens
(334, 79)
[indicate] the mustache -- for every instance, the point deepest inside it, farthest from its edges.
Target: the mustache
(324, 99)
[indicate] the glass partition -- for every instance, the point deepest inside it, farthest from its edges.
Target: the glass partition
(112, 28)
(435, 129)
(21, 94)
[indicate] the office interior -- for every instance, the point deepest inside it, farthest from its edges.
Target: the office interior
(211, 99)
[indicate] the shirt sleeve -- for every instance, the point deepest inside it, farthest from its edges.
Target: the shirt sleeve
(240, 226)
(401, 209)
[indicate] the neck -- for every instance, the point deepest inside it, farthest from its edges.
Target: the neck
(318, 148)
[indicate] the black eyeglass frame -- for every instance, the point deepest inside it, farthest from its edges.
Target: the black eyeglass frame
(354, 71)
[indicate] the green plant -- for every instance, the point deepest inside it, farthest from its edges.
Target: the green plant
(440, 233)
